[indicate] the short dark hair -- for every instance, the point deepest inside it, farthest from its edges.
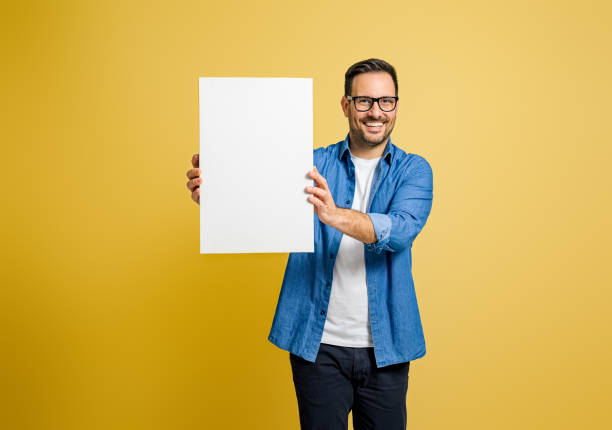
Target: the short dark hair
(365, 66)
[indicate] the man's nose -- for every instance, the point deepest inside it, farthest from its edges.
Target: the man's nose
(375, 111)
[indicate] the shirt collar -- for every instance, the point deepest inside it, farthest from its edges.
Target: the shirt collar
(387, 154)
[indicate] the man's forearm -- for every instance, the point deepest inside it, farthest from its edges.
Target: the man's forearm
(355, 224)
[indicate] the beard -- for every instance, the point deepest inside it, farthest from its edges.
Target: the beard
(360, 135)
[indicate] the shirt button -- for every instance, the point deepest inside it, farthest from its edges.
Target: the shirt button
(322, 312)
(348, 202)
(328, 284)
(331, 255)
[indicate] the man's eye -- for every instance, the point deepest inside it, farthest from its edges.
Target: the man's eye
(387, 100)
(363, 101)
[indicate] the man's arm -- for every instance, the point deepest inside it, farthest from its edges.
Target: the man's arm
(356, 224)
(351, 222)
(392, 231)
(396, 229)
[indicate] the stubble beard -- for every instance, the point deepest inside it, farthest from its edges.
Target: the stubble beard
(360, 135)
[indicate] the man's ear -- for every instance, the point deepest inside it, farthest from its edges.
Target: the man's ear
(344, 103)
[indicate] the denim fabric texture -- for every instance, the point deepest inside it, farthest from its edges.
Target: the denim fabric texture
(399, 204)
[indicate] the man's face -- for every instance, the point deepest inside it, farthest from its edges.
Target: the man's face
(374, 126)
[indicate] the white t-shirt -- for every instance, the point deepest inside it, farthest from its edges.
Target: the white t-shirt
(348, 319)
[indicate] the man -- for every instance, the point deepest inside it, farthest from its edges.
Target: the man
(348, 313)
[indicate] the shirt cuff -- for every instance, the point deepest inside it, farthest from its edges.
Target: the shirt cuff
(382, 231)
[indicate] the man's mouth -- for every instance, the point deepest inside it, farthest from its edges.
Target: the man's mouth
(374, 125)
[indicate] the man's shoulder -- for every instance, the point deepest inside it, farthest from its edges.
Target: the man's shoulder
(329, 149)
(324, 153)
(409, 162)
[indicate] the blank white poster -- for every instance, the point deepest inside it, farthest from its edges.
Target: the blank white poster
(255, 153)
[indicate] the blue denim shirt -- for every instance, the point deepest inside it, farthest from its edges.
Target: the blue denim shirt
(399, 204)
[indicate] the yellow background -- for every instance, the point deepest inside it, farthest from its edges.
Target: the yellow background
(111, 319)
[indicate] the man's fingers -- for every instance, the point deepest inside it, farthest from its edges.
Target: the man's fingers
(194, 173)
(195, 195)
(315, 201)
(192, 184)
(321, 194)
(194, 178)
(320, 180)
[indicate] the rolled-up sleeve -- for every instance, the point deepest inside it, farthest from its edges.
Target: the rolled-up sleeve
(408, 211)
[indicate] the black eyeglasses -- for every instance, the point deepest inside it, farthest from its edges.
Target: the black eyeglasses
(364, 104)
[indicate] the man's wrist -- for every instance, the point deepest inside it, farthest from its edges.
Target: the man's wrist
(355, 224)
(341, 219)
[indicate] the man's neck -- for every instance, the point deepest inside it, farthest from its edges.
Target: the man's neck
(362, 150)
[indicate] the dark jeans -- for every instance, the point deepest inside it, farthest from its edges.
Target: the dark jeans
(344, 378)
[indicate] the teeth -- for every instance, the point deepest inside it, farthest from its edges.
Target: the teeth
(374, 124)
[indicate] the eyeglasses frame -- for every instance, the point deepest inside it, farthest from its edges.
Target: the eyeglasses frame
(374, 99)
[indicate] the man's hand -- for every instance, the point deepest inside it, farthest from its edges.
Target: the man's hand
(353, 223)
(194, 178)
(322, 199)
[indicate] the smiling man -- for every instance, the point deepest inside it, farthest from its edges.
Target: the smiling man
(347, 312)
